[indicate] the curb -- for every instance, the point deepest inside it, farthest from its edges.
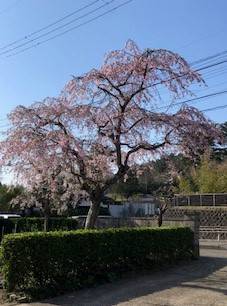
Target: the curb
(215, 246)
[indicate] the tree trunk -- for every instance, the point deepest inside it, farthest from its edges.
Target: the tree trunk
(45, 223)
(92, 214)
(46, 215)
(160, 219)
(162, 210)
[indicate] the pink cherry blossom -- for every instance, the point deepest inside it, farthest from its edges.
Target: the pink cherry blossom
(106, 120)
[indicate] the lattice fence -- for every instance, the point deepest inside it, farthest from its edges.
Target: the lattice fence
(214, 233)
(208, 217)
(213, 221)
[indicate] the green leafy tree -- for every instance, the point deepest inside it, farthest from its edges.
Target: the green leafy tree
(7, 193)
(127, 186)
(158, 178)
(208, 177)
(219, 152)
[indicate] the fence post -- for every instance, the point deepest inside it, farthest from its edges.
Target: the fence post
(194, 222)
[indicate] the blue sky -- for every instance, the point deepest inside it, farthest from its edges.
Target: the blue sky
(193, 28)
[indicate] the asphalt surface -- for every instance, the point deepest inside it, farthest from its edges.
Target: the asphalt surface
(201, 282)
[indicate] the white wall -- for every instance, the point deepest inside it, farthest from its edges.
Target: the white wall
(132, 209)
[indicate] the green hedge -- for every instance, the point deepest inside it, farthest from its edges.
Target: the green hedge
(36, 224)
(6, 226)
(45, 264)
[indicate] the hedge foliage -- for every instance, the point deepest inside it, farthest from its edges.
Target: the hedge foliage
(46, 264)
(36, 224)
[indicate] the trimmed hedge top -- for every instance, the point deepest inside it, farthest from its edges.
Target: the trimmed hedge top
(44, 264)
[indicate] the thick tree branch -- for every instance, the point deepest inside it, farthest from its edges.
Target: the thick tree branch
(147, 147)
(133, 125)
(108, 92)
(104, 77)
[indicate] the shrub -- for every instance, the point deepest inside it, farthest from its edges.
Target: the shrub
(36, 224)
(0, 259)
(45, 264)
(28, 224)
(6, 226)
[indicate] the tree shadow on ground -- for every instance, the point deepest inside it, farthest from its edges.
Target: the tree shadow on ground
(205, 273)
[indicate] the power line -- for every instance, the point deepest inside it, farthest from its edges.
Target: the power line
(211, 65)
(204, 110)
(217, 74)
(49, 25)
(59, 20)
(212, 62)
(215, 70)
(29, 41)
(180, 103)
(199, 69)
(211, 57)
(189, 100)
(214, 108)
(183, 102)
(186, 73)
(72, 28)
(218, 71)
(171, 105)
(212, 73)
(194, 99)
(204, 37)
(204, 89)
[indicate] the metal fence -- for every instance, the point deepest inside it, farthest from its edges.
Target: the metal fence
(203, 199)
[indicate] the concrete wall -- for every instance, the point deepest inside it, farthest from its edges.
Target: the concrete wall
(189, 220)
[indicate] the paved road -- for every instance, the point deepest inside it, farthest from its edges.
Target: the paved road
(198, 283)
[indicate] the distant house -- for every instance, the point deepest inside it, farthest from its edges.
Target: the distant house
(83, 206)
(141, 206)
